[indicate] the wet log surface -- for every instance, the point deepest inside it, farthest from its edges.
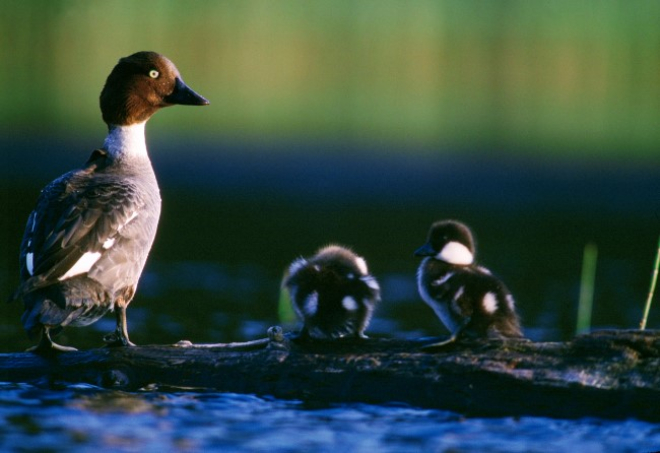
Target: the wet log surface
(610, 374)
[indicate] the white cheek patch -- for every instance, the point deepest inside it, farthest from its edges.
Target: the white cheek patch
(83, 265)
(490, 302)
(362, 265)
(455, 253)
(311, 304)
(349, 303)
(29, 263)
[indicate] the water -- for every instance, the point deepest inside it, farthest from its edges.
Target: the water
(84, 418)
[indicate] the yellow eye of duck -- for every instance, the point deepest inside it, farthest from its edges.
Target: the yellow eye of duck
(154, 74)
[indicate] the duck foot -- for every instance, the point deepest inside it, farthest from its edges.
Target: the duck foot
(116, 340)
(47, 346)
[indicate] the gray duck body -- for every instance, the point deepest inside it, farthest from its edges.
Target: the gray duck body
(87, 240)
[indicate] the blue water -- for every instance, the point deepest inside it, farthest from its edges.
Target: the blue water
(85, 418)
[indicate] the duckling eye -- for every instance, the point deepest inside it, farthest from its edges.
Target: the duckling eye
(154, 74)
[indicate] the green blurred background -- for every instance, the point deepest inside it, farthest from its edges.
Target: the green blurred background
(360, 122)
(567, 78)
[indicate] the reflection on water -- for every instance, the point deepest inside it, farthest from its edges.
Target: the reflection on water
(84, 418)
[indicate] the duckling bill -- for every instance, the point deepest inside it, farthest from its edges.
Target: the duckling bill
(86, 242)
(332, 293)
(467, 298)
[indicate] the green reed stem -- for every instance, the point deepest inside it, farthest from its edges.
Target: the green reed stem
(654, 279)
(587, 283)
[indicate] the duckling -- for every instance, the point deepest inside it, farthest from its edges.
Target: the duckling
(467, 298)
(332, 293)
(87, 240)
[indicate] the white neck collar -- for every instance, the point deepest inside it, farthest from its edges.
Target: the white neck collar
(127, 143)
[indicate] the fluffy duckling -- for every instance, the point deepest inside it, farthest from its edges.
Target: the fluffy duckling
(467, 298)
(332, 293)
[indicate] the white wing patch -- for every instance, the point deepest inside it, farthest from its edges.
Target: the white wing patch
(371, 283)
(83, 265)
(455, 253)
(490, 302)
(29, 262)
(484, 270)
(109, 243)
(454, 301)
(349, 303)
(443, 280)
(29, 257)
(34, 222)
(130, 218)
(311, 304)
(459, 293)
(440, 307)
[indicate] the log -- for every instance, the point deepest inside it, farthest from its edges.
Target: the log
(610, 374)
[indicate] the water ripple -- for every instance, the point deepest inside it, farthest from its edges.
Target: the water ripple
(84, 418)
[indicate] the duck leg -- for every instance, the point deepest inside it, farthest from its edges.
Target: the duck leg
(47, 345)
(120, 336)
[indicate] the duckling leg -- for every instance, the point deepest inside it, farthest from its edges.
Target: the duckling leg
(441, 344)
(452, 339)
(120, 336)
(47, 345)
